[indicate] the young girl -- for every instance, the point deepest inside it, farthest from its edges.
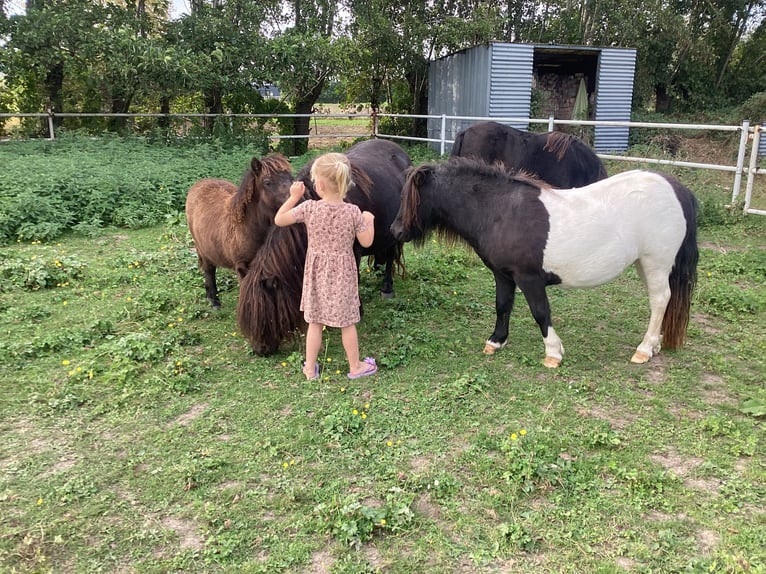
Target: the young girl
(330, 278)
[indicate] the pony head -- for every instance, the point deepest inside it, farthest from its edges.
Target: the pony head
(268, 309)
(408, 225)
(266, 183)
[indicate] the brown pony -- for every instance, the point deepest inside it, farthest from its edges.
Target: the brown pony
(228, 224)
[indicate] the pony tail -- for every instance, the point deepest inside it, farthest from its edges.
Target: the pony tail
(683, 277)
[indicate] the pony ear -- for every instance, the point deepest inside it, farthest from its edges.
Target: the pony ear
(421, 174)
(256, 166)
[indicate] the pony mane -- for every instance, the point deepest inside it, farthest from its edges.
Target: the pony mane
(495, 169)
(558, 143)
(416, 177)
(266, 310)
(248, 188)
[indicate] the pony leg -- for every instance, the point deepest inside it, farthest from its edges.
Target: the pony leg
(656, 283)
(387, 289)
(537, 299)
(505, 293)
(211, 289)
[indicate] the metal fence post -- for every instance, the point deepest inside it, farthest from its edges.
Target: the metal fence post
(551, 123)
(740, 160)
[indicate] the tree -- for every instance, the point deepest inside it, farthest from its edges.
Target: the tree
(224, 45)
(302, 58)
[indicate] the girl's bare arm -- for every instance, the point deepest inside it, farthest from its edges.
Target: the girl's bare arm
(366, 237)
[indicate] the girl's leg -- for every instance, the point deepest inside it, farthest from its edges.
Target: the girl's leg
(351, 346)
(356, 367)
(313, 345)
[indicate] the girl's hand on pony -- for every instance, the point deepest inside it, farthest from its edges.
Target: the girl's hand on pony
(297, 189)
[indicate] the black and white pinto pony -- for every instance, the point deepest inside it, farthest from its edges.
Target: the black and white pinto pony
(268, 309)
(531, 236)
(559, 159)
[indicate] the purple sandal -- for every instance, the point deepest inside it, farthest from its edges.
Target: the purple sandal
(316, 372)
(373, 368)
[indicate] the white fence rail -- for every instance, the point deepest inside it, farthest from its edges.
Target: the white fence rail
(749, 137)
(747, 133)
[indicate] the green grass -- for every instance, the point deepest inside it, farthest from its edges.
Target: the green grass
(140, 434)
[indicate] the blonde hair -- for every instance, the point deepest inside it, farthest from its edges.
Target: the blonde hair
(335, 169)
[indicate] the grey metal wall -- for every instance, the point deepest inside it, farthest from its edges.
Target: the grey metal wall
(510, 93)
(458, 85)
(614, 96)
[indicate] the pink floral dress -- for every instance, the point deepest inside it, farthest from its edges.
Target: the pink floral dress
(330, 277)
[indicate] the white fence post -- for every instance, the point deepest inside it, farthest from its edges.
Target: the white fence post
(443, 134)
(50, 125)
(740, 160)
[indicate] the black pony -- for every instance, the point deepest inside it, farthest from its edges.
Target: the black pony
(270, 293)
(561, 160)
(531, 236)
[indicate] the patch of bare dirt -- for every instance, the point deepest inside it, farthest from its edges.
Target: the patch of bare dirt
(714, 391)
(374, 558)
(677, 464)
(655, 374)
(424, 506)
(626, 563)
(705, 322)
(186, 530)
(707, 541)
(189, 416)
(617, 418)
(682, 467)
(321, 562)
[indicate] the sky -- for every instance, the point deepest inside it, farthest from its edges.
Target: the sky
(177, 7)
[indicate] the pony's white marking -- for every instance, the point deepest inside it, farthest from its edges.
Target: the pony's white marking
(554, 349)
(597, 231)
(491, 346)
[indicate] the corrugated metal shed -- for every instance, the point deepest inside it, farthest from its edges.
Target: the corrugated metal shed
(510, 87)
(495, 80)
(614, 95)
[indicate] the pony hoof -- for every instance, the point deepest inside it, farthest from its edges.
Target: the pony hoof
(639, 357)
(386, 294)
(551, 362)
(489, 349)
